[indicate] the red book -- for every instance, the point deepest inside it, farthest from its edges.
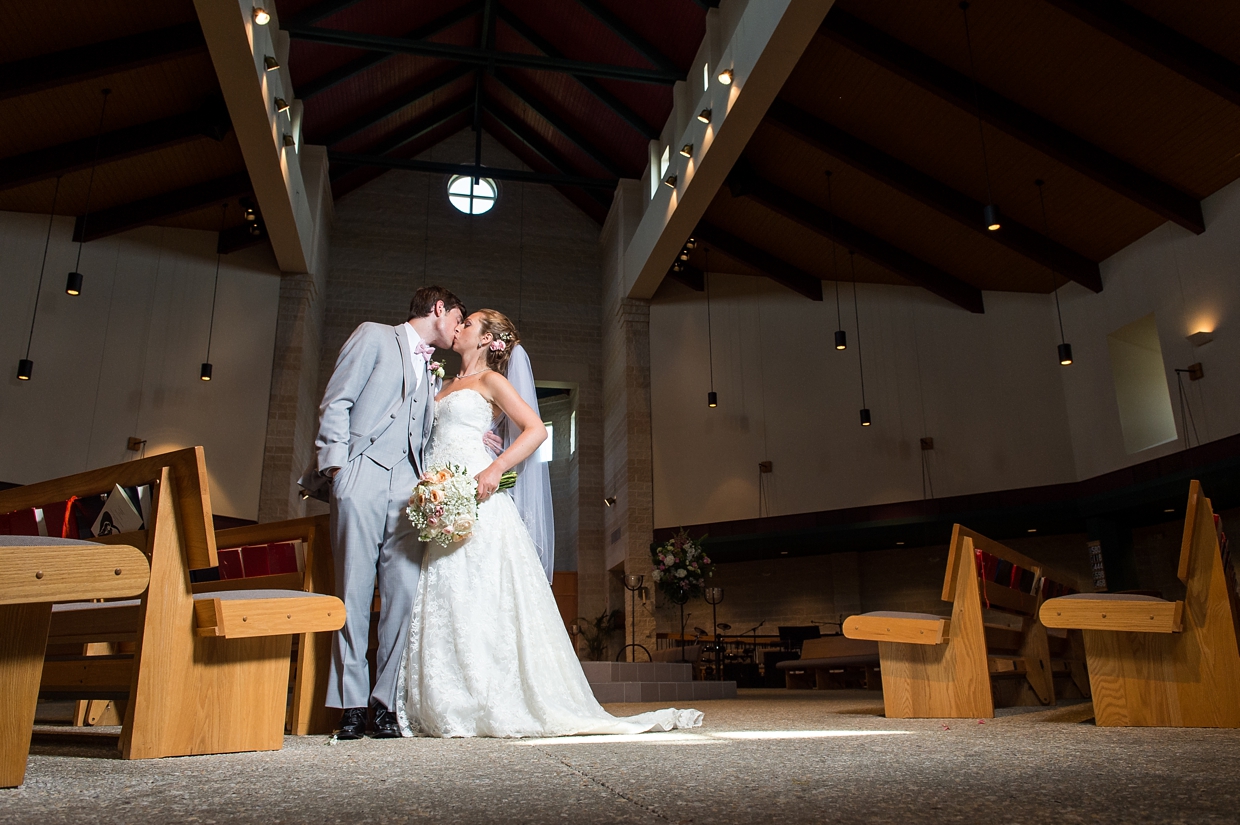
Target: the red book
(19, 523)
(230, 564)
(255, 560)
(282, 557)
(54, 518)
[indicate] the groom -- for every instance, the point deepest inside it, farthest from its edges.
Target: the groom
(374, 423)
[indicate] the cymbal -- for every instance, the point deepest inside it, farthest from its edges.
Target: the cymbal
(724, 626)
(700, 631)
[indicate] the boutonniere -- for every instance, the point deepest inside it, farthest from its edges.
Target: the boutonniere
(435, 368)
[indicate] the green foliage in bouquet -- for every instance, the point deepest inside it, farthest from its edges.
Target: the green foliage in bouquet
(681, 568)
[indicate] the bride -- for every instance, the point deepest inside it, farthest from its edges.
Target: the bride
(488, 654)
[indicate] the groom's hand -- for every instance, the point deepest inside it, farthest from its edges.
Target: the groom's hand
(493, 442)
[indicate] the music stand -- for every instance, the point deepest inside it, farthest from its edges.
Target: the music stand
(633, 583)
(714, 596)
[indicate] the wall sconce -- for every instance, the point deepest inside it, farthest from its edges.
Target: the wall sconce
(1201, 337)
(610, 501)
(704, 115)
(261, 16)
(726, 76)
(687, 150)
(670, 180)
(271, 63)
(289, 140)
(281, 105)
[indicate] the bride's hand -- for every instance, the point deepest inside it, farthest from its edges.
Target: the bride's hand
(488, 481)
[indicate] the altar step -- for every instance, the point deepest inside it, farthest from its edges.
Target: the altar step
(651, 682)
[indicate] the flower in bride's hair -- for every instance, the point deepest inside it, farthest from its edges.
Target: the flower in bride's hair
(498, 346)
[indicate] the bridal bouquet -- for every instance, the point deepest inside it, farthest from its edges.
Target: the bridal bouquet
(681, 567)
(444, 504)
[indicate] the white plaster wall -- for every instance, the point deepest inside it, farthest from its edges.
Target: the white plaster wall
(985, 387)
(123, 358)
(1190, 282)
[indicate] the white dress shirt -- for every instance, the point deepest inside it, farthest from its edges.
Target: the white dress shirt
(418, 362)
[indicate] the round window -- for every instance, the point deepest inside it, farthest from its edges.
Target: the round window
(472, 198)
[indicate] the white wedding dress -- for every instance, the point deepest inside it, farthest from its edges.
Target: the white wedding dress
(488, 654)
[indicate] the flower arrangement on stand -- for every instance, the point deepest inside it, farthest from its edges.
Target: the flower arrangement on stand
(681, 568)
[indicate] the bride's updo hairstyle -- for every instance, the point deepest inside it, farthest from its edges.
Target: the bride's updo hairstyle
(503, 332)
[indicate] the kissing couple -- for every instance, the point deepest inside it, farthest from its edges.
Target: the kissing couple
(470, 640)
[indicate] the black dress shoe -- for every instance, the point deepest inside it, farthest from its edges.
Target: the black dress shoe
(352, 724)
(386, 726)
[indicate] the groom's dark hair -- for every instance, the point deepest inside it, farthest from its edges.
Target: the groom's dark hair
(424, 301)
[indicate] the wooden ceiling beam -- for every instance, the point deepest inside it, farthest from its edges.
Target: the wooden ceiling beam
(690, 276)
(1118, 175)
(127, 216)
(591, 85)
(559, 124)
(1159, 43)
(414, 95)
(358, 65)
(47, 71)
(593, 202)
(629, 35)
(929, 191)
(435, 167)
(421, 127)
(323, 10)
(481, 57)
(535, 144)
(772, 266)
(745, 182)
(210, 120)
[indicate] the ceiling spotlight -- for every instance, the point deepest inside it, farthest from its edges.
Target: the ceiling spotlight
(1032, 530)
(254, 230)
(684, 254)
(990, 215)
(250, 213)
(670, 180)
(271, 63)
(712, 399)
(24, 367)
(704, 115)
(725, 77)
(841, 339)
(865, 417)
(261, 16)
(1065, 354)
(687, 150)
(205, 372)
(73, 286)
(691, 243)
(281, 104)
(678, 267)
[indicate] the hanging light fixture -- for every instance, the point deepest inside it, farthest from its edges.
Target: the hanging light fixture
(841, 337)
(204, 374)
(865, 411)
(73, 283)
(712, 398)
(25, 367)
(1065, 349)
(990, 212)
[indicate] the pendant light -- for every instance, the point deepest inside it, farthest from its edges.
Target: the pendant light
(841, 337)
(25, 367)
(712, 398)
(73, 284)
(990, 212)
(865, 411)
(1065, 349)
(205, 373)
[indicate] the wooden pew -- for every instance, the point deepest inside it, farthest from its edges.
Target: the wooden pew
(308, 712)
(209, 671)
(961, 667)
(34, 573)
(1154, 662)
(821, 656)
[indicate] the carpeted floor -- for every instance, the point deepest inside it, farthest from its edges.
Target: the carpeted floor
(766, 757)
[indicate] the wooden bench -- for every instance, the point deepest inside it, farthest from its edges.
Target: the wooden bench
(34, 573)
(828, 655)
(1154, 662)
(961, 667)
(308, 711)
(209, 671)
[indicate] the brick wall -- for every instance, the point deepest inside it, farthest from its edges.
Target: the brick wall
(534, 257)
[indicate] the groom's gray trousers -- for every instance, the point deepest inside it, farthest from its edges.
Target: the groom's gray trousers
(370, 525)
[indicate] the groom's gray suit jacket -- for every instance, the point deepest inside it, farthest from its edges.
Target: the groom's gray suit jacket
(374, 424)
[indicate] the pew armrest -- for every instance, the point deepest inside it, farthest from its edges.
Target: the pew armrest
(244, 614)
(905, 628)
(34, 570)
(1113, 611)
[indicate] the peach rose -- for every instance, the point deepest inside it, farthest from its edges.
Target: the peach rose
(443, 475)
(436, 496)
(419, 498)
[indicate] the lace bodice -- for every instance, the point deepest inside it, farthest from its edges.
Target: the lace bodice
(461, 419)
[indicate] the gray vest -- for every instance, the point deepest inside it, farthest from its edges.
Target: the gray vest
(404, 443)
